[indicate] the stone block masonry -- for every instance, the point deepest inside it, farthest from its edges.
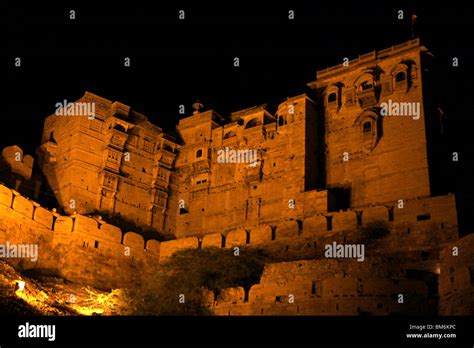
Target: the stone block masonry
(213, 240)
(327, 287)
(170, 247)
(329, 166)
(90, 233)
(90, 251)
(329, 153)
(79, 248)
(456, 277)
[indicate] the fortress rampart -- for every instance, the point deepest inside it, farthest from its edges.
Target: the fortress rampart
(330, 163)
(91, 251)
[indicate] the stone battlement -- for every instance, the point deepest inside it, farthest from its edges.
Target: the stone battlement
(329, 165)
(90, 251)
(77, 247)
(63, 227)
(326, 287)
(66, 237)
(369, 58)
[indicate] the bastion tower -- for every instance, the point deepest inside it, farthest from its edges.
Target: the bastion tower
(373, 155)
(115, 162)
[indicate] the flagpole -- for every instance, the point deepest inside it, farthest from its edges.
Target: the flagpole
(413, 21)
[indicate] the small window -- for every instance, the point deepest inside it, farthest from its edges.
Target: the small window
(391, 215)
(367, 127)
(96, 244)
(329, 223)
(300, 227)
(359, 218)
(51, 137)
(365, 86)
(168, 148)
(332, 97)
(229, 135)
(281, 120)
(423, 217)
(316, 288)
(253, 123)
(199, 153)
(119, 127)
(400, 77)
(279, 299)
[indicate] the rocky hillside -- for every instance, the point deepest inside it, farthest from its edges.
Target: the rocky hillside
(48, 295)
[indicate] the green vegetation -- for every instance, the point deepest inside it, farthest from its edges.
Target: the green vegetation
(190, 272)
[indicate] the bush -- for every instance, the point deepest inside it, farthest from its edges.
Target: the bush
(190, 272)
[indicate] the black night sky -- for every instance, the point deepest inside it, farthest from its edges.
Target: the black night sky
(176, 62)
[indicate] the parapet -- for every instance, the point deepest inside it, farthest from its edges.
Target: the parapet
(170, 247)
(6, 196)
(369, 57)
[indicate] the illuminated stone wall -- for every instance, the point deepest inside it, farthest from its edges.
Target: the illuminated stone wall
(116, 162)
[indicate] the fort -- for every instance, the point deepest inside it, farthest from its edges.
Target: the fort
(329, 165)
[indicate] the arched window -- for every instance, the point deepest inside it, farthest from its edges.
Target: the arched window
(229, 135)
(119, 127)
(168, 148)
(282, 120)
(332, 97)
(365, 86)
(400, 77)
(367, 127)
(370, 127)
(199, 153)
(51, 138)
(253, 123)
